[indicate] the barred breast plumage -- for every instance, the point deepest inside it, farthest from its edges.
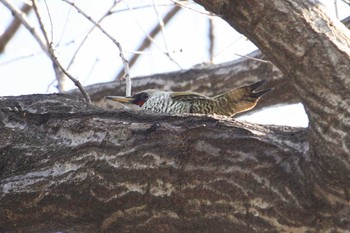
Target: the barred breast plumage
(236, 100)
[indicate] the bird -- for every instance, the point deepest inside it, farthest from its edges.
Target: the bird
(228, 104)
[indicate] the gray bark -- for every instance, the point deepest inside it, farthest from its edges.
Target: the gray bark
(68, 166)
(313, 51)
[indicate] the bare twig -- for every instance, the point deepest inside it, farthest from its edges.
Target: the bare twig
(336, 8)
(42, 42)
(192, 9)
(121, 54)
(347, 2)
(58, 73)
(146, 43)
(142, 7)
(254, 58)
(232, 43)
(151, 52)
(22, 57)
(163, 31)
(64, 28)
(108, 12)
(13, 27)
(23, 19)
(53, 56)
(50, 19)
(149, 37)
(211, 39)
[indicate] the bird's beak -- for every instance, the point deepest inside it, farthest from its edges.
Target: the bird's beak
(120, 99)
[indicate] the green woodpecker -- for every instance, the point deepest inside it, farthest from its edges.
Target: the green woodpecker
(228, 104)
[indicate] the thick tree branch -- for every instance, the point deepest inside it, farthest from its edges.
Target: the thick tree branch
(68, 166)
(314, 53)
(71, 167)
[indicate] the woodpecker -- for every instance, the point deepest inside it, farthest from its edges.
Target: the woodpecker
(227, 104)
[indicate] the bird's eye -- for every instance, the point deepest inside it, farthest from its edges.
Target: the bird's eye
(144, 96)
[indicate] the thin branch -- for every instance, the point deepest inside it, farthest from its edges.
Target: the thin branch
(211, 39)
(50, 19)
(151, 52)
(53, 56)
(121, 54)
(253, 58)
(23, 19)
(11, 30)
(108, 12)
(163, 32)
(232, 43)
(336, 8)
(22, 57)
(151, 38)
(58, 73)
(75, 81)
(48, 50)
(347, 2)
(146, 43)
(182, 5)
(65, 26)
(142, 7)
(42, 28)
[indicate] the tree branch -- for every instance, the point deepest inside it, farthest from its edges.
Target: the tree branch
(147, 42)
(316, 59)
(45, 45)
(54, 58)
(13, 27)
(119, 46)
(92, 170)
(209, 80)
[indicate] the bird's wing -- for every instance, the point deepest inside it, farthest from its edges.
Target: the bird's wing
(188, 96)
(240, 99)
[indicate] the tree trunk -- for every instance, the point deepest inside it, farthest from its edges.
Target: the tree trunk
(313, 52)
(67, 166)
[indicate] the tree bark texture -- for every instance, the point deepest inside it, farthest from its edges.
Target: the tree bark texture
(71, 167)
(66, 166)
(313, 51)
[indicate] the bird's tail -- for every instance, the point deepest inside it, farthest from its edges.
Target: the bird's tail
(240, 99)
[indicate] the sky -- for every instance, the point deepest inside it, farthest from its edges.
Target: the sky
(25, 69)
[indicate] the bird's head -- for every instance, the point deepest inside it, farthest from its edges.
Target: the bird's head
(139, 98)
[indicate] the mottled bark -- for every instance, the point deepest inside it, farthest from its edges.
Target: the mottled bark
(67, 166)
(313, 51)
